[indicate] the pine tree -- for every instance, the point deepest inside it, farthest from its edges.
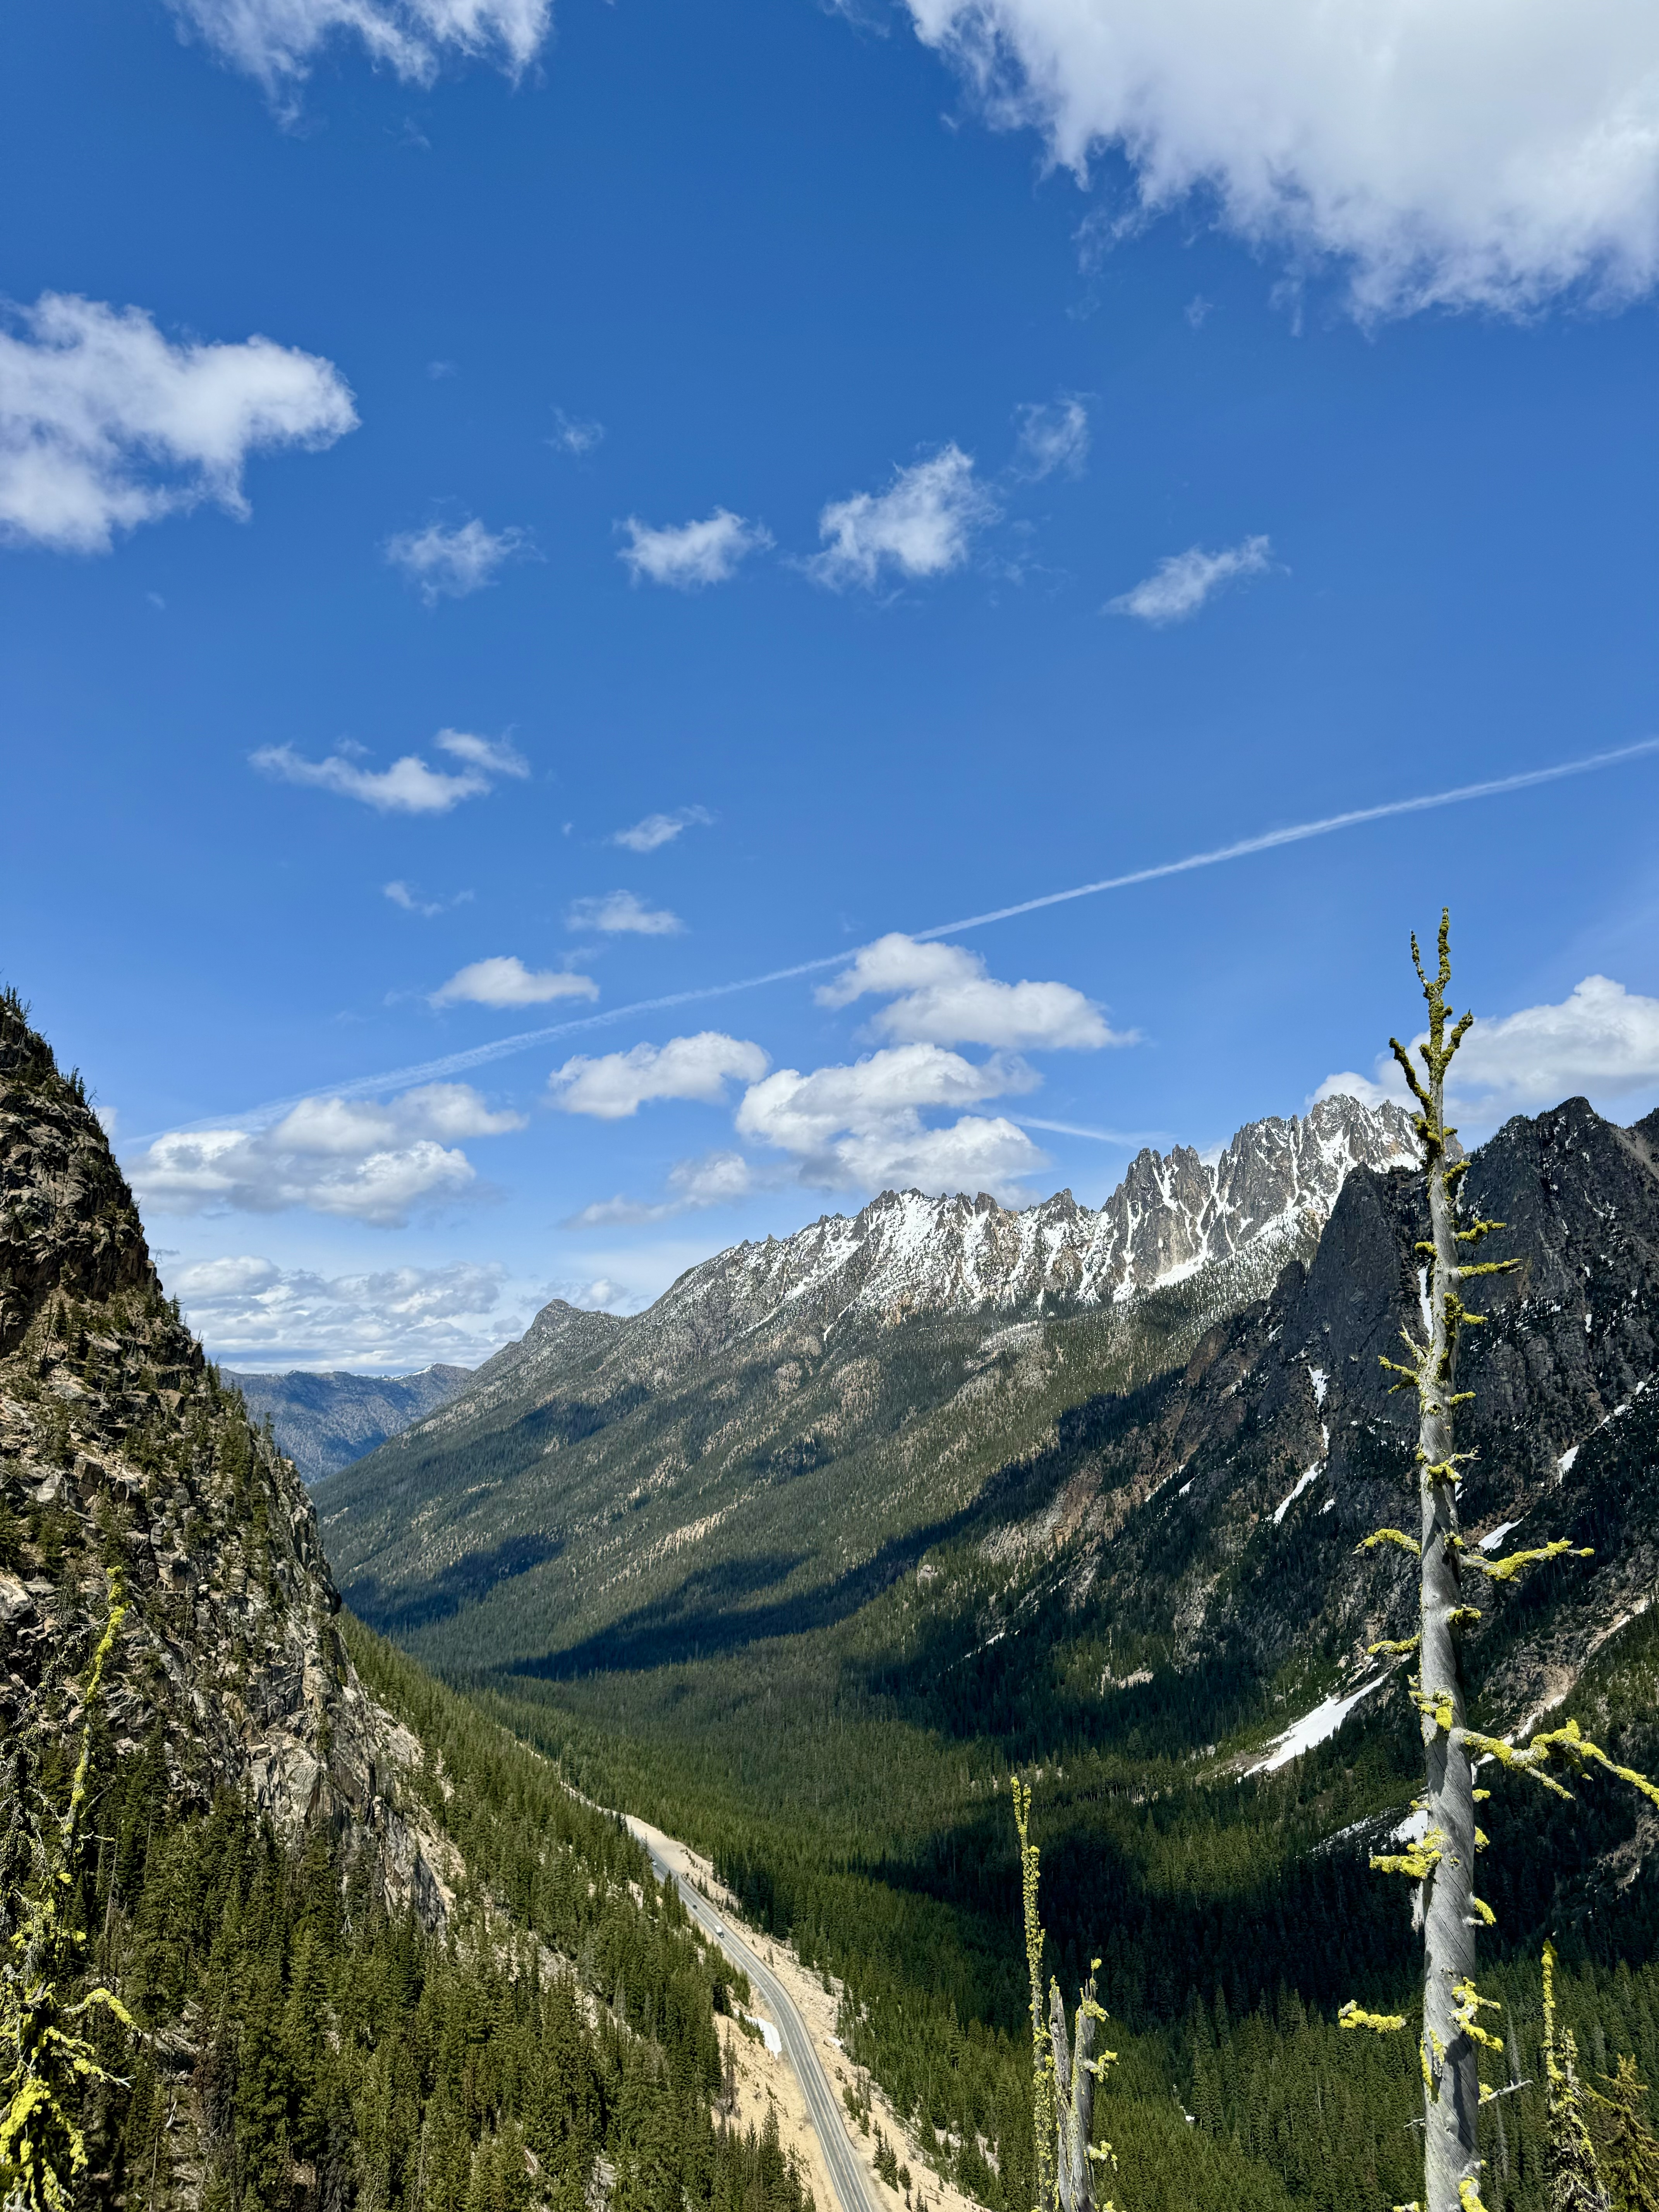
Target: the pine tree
(1629, 2152)
(1575, 2181)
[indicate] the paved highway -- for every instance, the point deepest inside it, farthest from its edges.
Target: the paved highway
(846, 2169)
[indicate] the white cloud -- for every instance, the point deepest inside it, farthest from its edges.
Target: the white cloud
(449, 564)
(354, 1160)
(409, 786)
(246, 1308)
(1051, 438)
(657, 829)
(620, 914)
(618, 1083)
(1350, 1085)
(1461, 154)
(800, 1113)
(574, 437)
(922, 524)
(717, 1179)
(405, 896)
(105, 424)
(505, 981)
(1180, 585)
(859, 1127)
(975, 1153)
(943, 996)
(694, 553)
(277, 41)
(1601, 1042)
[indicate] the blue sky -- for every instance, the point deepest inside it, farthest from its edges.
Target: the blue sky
(783, 479)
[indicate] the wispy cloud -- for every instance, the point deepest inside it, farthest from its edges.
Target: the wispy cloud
(105, 425)
(406, 897)
(658, 830)
(618, 914)
(1051, 438)
(1179, 586)
(614, 1087)
(450, 561)
(277, 41)
(941, 994)
(572, 435)
(921, 525)
(409, 786)
(717, 1179)
(376, 1163)
(505, 981)
(691, 555)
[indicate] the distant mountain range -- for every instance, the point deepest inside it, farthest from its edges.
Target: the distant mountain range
(323, 1421)
(896, 1358)
(1180, 1391)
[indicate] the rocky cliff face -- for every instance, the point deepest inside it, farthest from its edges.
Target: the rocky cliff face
(1223, 1512)
(121, 1450)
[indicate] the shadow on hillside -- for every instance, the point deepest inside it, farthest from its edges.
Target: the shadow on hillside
(709, 1615)
(705, 1618)
(399, 1609)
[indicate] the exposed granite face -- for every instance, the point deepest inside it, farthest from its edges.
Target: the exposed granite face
(67, 1218)
(323, 1420)
(1233, 1502)
(120, 1448)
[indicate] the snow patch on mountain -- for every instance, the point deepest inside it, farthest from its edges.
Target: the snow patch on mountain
(1172, 1214)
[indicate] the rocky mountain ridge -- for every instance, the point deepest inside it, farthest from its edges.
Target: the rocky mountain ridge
(123, 1453)
(906, 1255)
(323, 1419)
(1219, 1515)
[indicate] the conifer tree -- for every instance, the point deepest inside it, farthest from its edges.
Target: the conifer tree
(1575, 2180)
(1629, 2155)
(1441, 1863)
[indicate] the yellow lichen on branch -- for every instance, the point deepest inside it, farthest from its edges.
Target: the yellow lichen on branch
(1396, 1536)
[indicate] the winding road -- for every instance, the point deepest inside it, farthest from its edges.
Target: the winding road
(824, 2107)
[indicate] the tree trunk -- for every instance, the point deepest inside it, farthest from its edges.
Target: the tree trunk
(1445, 1901)
(1451, 2074)
(1074, 2099)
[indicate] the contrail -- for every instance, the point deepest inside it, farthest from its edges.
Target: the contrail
(1299, 830)
(1131, 1139)
(458, 1063)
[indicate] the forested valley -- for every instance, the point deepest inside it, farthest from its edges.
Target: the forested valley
(297, 1918)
